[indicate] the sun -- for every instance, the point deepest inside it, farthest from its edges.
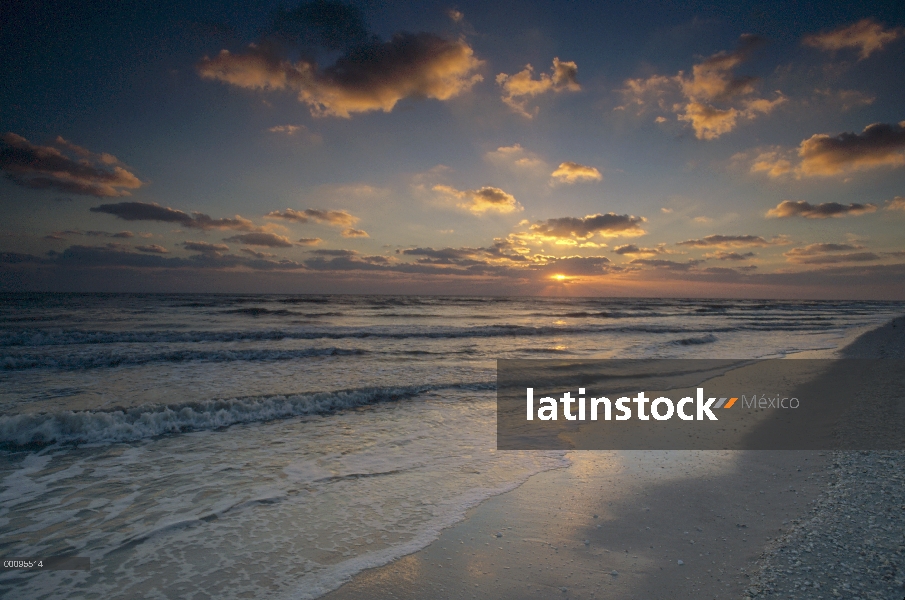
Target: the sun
(560, 277)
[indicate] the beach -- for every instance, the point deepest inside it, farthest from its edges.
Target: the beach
(294, 447)
(673, 524)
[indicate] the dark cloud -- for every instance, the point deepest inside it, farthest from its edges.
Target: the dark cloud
(143, 211)
(730, 255)
(577, 265)
(269, 240)
(821, 248)
(61, 235)
(729, 241)
(152, 249)
(330, 252)
(205, 247)
(789, 208)
(64, 167)
(257, 254)
(608, 225)
(665, 264)
(370, 75)
(827, 259)
(309, 241)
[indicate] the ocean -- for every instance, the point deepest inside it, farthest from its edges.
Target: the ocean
(233, 446)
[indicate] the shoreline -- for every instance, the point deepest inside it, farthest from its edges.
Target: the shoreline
(617, 524)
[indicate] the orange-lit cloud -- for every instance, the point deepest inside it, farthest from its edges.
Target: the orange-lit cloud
(479, 202)
(823, 155)
(867, 36)
(520, 87)
(144, 211)
(572, 172)
(788, 208)
(712, 99)
(354, 233)
(339, 218)
(49, 167)
(369, 77)
(897, 203)
(516, 158)
(269, 240)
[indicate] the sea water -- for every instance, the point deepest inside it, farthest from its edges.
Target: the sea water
(231, 446)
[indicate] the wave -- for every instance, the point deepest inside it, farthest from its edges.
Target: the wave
(147, 421)
(694, 341)
(56, 337)
(100, 360)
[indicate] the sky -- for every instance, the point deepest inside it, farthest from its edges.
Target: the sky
(507, 148)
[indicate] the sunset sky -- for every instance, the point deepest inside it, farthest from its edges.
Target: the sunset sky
(550, 148)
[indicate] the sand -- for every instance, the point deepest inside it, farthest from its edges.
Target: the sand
(677, 524)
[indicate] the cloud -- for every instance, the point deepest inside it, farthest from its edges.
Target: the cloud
(734, 256)
(287, 129)
(297, 131)
(152, 249)
(633, 250)
(788, 208)
(712, 99)
(205, 247)
(334, 252)
(572, 172)
(60, 235)
(608, 225)
(867, 36)
(822, 155)
(829, 259)
(897, 203)
(478, 202)
(516, 158)
(520, 87)
(339, 218)
(846, 99)
(880, 144)
(269, 240)
(820, 248)
(309, 241)
(830, 253)
(257, 254)
(370, 75)
(731, 241)
(144, 211)
(49, 167)
(670, 265)
(353, 233)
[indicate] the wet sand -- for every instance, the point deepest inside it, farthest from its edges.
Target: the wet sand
(616, 524)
